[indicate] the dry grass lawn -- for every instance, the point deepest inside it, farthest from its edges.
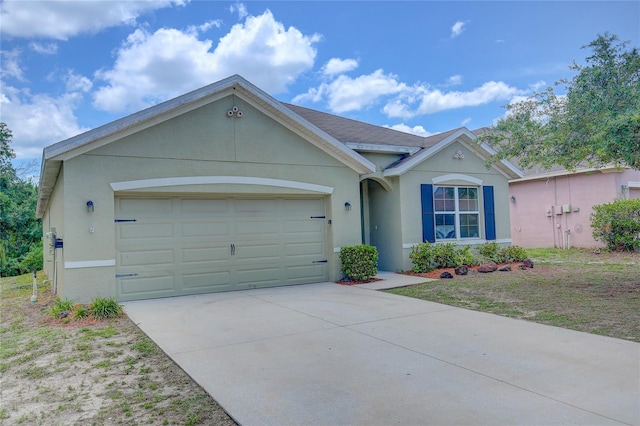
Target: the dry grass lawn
(575, 289)
(88, 372)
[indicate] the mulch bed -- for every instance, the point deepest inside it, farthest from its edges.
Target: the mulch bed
(435, 274)
(351, 282)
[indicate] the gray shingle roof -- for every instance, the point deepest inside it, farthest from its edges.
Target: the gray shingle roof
(347, 130)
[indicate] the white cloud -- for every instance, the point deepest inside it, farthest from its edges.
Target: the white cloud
(215, 23)
(350, 94)
(338, 66)
(152, 67)
(240, 8)
(44, 48)
(63, 19)
(77, 83)
(415, 130)
(11, 65)
(38, 120)
(432, 100)
(454, 80)
(458, 28)
(466, 121)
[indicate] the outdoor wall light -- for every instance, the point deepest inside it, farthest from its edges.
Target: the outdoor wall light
(90, 206)
(347, 206)
(512, 198)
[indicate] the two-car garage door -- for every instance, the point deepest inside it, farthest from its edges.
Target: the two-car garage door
(177, 246)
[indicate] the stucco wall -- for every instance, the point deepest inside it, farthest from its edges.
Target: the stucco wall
(203, 142)
(53, 259)
(534, 221)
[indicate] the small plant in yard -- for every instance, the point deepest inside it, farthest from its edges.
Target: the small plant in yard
(103, 308)
(61, 307)
(80, 312)
(360, 262)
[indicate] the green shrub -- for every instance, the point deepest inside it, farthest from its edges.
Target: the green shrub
(80, 312)
(512, 254)
(492, 252)
(59, 306)
(617, 224)
(466, 257)
(427, 257)
(103, 308)
(423, 257)
(360, 262)
(489, 251)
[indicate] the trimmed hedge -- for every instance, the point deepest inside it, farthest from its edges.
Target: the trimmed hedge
(360, 262)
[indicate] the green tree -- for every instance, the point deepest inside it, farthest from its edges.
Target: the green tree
(597, 122)
(20, 231)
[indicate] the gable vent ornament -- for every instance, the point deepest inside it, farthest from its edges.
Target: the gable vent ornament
(235, 111)
(458, 155)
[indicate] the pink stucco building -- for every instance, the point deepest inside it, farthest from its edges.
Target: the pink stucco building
(553, 208)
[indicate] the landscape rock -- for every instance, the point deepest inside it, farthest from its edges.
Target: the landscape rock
(528, 263)
(522, 267)
(505, 268)
(462, 270)
(487, 267)
(446, 274)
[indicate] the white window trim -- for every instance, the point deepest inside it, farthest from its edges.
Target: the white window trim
(455, 176)
(457, 213)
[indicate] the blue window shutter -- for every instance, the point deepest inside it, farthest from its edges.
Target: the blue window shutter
(428, 220)
(489, 213)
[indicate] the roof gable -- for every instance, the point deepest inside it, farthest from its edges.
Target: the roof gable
(54, 155)
(438, 142)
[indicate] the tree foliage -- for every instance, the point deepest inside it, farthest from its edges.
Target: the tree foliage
(20, 231)
(596, 123)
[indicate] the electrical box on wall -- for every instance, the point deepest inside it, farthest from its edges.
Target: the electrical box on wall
(558, 209)
(566, 208)
(549, 212)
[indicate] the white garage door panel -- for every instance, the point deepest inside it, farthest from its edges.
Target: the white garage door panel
(141, 287)
(190, 246)
(152, 257)
(206, 255)
(206, 282)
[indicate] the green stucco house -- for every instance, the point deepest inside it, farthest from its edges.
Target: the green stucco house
(226, 188)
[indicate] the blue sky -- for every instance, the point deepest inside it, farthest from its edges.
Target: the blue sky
(422, 66)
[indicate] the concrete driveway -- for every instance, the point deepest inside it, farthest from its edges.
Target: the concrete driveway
(334, 355)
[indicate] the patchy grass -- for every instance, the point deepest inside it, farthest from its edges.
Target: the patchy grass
(87, 371)
(575, 289)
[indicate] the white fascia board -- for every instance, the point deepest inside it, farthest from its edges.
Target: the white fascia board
(426, 153)
(510, 166)
(557, 173)
(387, 149)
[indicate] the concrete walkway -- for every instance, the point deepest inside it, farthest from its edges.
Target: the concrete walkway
(327, 354)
